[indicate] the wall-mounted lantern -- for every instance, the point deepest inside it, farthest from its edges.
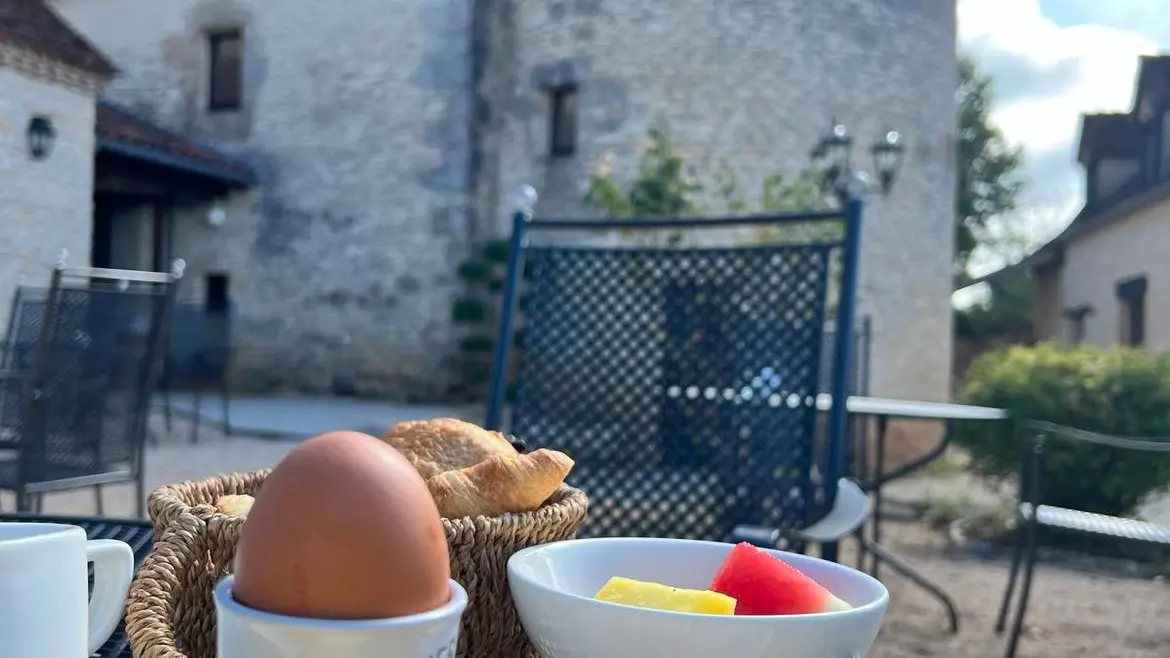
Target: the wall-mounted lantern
(40, 135)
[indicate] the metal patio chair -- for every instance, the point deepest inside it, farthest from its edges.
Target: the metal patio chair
(85, 395)
(682, 379)
(198, 359)
(16, 356)
(1032, 515)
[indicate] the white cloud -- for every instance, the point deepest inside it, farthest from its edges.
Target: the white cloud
(1047, 76)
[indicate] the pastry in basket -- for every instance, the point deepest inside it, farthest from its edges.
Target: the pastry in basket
(446, 444)
(234, 504)
(500, 485)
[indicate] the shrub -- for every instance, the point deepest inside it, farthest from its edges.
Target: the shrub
(1117, 391)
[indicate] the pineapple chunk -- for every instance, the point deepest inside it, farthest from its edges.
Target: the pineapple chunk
(660, 597)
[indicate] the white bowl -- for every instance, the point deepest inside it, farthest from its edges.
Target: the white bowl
(553, 587)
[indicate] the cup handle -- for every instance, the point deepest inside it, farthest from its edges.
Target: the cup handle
(113, 569)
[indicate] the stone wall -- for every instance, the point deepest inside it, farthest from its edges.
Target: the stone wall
(389, 137)
(749, 85)
(45, 205)
(357, 118)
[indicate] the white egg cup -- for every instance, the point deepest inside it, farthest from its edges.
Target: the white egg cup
(244, 632)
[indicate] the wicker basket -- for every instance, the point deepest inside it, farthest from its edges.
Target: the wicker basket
(171, 614)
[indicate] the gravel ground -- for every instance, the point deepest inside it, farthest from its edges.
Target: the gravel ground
(1072, 614)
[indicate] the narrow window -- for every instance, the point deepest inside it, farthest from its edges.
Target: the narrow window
(1078, 322)
(226, 66)
(563, 120)
(218, 298)
(1132, 295)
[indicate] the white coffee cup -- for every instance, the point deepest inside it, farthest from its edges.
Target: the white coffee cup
(243, 632)
(46, 610)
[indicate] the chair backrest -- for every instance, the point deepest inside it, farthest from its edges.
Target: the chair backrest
(682, 379)
(25, 322)
(200, 343)
(86, 395)
(1088, 448)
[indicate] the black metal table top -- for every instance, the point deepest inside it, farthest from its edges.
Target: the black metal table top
(139, 534)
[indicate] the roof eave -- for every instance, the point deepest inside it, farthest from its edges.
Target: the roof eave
(242, 179)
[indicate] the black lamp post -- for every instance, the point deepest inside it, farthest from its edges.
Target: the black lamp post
(832, 156)
(849, 186)
(40, 135)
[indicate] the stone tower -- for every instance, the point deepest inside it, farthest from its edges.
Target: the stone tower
(749, 84)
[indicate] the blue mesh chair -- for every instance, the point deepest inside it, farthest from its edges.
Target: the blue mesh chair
(682, 379)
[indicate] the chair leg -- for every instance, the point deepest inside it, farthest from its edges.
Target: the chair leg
(225, 391)
(97, 499)
(198, 414)
(1017, 553)
(40, 504)
(140, 495)
(1025, 593)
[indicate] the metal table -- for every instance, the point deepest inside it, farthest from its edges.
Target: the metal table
(873, 478)
(139, 534)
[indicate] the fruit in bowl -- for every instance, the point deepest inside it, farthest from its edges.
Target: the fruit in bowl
(751, 581)
(677, 598)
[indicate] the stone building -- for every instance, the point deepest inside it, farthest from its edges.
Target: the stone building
(371, 146)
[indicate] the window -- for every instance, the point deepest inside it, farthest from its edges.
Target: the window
(1132, 295)
(563, 120)
(225, 89)
(1077, 319)
(217, 284)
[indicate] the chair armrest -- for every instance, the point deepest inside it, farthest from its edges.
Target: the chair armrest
(850, 510)
(756, 536)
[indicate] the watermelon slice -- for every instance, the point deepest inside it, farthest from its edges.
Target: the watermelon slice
(762, 584)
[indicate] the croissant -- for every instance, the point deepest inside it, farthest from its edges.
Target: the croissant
(500, 485)
(446, 444)
(234, 504)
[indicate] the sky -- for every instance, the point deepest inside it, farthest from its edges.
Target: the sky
(1053, 60)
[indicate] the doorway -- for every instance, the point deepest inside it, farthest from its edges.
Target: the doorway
(129, 232)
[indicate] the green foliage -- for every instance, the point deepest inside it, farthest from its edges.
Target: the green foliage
(989, 183)
(1117, 391)
(802, 193)
(469, 311)
(478, 311)
(1006, 314)
(666, 186)
(662, 188)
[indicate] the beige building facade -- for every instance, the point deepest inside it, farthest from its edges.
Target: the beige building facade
(1106, 279)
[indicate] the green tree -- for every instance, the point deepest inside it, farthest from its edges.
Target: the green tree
(989, 183)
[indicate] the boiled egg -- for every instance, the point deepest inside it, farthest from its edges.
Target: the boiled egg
(343, 528)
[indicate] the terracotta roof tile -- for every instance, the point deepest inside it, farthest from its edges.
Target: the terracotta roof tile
(120, 130)
(33, 25)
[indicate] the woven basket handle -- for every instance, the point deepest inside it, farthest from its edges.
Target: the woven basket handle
(156, 590)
